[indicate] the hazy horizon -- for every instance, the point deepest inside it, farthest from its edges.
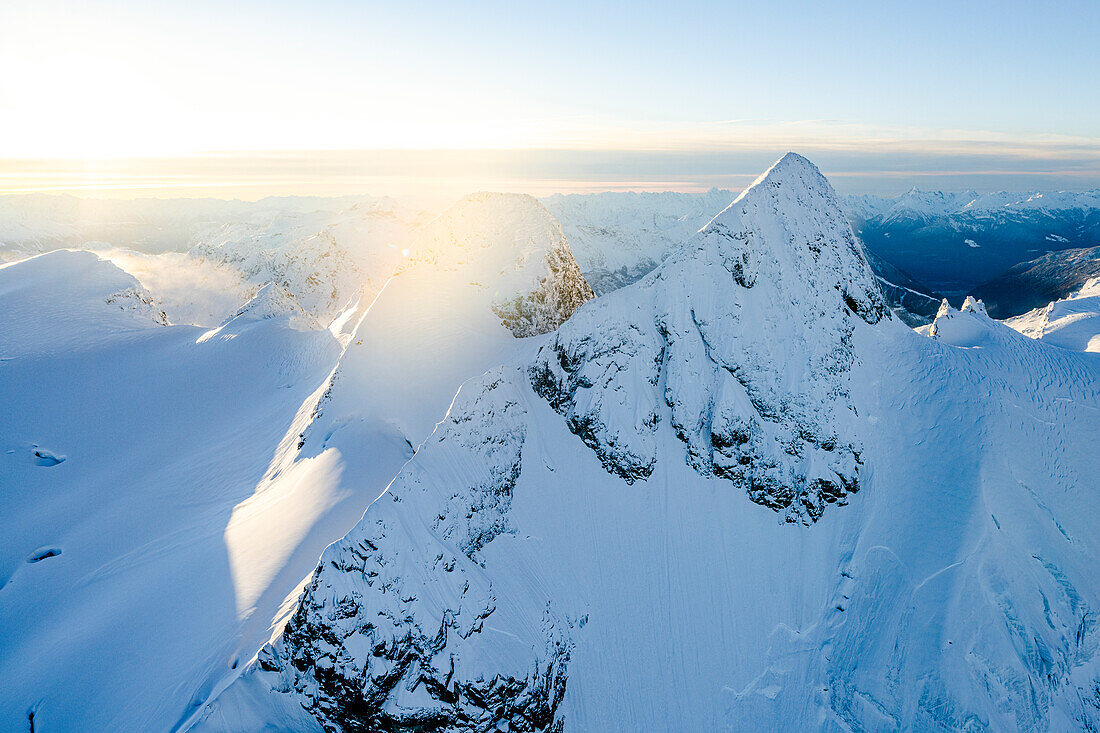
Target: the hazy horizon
(438, 175)
(340, 97)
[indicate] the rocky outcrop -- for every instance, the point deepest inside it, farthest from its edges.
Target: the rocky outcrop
(388, 634)
(560, 292)
(138, 300)
(513, 249)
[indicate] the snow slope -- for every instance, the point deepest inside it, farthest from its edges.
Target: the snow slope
(1072, 323)
(38, 320)
(1034, 283)
(144, 555)
(594, 537)
(166, 488)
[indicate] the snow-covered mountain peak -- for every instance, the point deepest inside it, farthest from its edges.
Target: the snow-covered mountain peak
(790, 166)
(512, 249)
(487, 226)
(572, 548)
(788, 226)
(920, 205)
(744, 335)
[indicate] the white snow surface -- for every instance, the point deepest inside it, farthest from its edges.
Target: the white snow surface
(150, 560)
(956, 590)
(736, 495)
(1071, 323)
(36, 321)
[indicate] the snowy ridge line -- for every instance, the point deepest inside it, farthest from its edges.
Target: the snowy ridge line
(738, 492)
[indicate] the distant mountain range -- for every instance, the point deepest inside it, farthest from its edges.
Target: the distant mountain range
(955, 242)
(1016, 251)
(1035, 283)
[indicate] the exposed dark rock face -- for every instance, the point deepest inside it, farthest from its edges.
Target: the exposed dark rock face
(741, 341)
(138, 300)
(513, 249)
(550, 304)
(386, 635)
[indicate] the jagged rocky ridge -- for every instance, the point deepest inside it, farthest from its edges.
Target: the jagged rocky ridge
(386, 634)
(389, 633)
(370, 651)
(745, 335)
(490, 257)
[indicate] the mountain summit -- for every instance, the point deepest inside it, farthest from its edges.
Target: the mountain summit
(741, 341)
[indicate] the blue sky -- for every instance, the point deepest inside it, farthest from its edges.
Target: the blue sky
(972, 88)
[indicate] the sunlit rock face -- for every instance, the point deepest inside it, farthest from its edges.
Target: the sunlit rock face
(513, 250)
(742, 341)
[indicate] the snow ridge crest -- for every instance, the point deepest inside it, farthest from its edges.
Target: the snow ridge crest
(273, 301)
